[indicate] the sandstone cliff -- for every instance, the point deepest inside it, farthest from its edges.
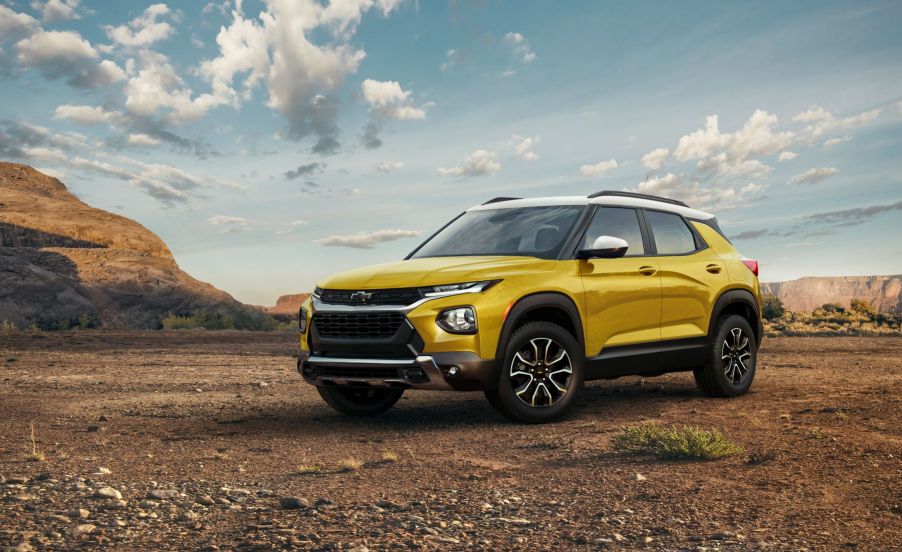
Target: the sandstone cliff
(62, 261)
(806, 294)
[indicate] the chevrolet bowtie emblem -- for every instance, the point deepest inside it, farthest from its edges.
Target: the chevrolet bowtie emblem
(361, 296)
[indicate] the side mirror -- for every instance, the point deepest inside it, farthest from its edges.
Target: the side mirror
(604, 247)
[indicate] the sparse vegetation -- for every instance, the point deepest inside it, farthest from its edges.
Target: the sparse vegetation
(224, 319)
(36, 455)
(831, 319)
(771, 307)
(349, 464)
(308, 469)
(758, 457)
(389, 457)
(675, 443)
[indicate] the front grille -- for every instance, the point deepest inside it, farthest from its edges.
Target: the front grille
(396, 296)
(364, 372)
(370, 325)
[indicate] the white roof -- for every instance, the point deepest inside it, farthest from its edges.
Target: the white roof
(600, 200)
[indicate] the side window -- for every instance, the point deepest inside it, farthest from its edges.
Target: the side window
(671, 235)
(618, 222)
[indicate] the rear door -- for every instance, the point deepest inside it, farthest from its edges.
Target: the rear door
(691, 275)
(622, 296)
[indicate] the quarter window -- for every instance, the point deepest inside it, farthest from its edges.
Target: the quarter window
(618, 222)
(672, 236)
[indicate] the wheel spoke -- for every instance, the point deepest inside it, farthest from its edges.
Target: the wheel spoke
(523, 360)
(737, 336)
(560, 357)
(557, 386)
(524, 388)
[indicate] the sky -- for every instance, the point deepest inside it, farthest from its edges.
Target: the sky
(272, 143)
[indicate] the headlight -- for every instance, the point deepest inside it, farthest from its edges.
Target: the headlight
(302, 320)
(454, 289)
(461, 320)
(317, 292)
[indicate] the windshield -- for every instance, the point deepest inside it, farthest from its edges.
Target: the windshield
(527, 231)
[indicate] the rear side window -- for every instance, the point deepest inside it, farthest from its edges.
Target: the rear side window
(619, 223)
(671, 235)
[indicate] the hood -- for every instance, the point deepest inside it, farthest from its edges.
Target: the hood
(431, 271)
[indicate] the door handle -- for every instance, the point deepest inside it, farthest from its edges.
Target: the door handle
(647, 270)
(713, 268)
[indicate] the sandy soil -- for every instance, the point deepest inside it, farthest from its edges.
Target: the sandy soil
(203, 435)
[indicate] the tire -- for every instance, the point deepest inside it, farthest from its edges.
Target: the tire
(731, 358)
(539, 384)
(360, 401)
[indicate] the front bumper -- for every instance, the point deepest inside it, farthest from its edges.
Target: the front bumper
(426, 371)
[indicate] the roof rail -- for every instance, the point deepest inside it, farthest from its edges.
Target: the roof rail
(500, 199)
(638, 196)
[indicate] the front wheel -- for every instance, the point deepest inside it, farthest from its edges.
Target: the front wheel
(732, 354)
(541, 374)
(360, 401)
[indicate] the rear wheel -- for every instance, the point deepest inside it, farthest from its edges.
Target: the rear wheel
(732, 354)
(541, 374)
(360, 401)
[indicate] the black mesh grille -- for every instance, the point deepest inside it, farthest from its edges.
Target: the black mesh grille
(397, 296)
(371, 372)
(358, 325)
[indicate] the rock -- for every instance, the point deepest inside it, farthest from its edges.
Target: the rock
(79, 513)
(23, 547)
(82, 529)
(43, 476)
(188, 515)
(148, 504)
(618, 537)
(640, 477)
(115, 505)
(163, 494)
(293, 503)
(520, 522)
(205, 500)
(103, 418)
(647, 540)
(59, 518)
(102, 471)
(108, 493)
(93, 428)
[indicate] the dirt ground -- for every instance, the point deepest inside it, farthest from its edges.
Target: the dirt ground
(204, 434)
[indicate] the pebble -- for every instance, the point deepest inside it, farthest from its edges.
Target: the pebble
(82, 529)
(163, 494)
(79, 513)
(188, 516)
(108, 493)
(59, 518)
(205, 500)
(102, 471)
(640, 477)
(293, 503)
(618, 537)
(148, 504)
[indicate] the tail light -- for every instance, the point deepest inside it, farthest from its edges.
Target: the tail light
(752, 265)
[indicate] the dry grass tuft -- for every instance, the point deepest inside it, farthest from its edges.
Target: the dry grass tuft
(307, 469)
(36, 455)
(349, 464)
(389, 456)
(675, 443)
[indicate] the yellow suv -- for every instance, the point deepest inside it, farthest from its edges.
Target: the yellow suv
(525, 299)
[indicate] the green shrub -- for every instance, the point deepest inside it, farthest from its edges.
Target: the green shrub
(675, 443)
(833, 307)
(223, 319)
(771, 306)
(862, 306)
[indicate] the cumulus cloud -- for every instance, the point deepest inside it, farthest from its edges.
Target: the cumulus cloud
(15, 25)
(518, 43)
(229, 223)
(814, 176)
(478, 163)
(304, 170)
(139, 139)
(143, 30)
(54, 11)
(390, 100)
(156, 87)
(366, 240)
(654, 159)
(699, 196)
(819, 121)
(787, 156)
(598, 169)
(389, 166)
(65, 54)
(86, 115)
(523, 147)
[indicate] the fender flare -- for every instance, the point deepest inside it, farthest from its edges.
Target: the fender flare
(732, 297)
(535, 301)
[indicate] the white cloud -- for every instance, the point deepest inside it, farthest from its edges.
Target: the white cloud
(65, 54)
(520, 46)
(478, 163)
(819, 121)
(229, 223)
(787, 156)
(57, 10)
(694, 194)
(390, 100)
(86, 115)
(654, 159)
(453, 58)
(389, 166)
(15, 25)
(814, 176)
(523, 147)
(143, 30)
(835, 141)
(598, 169)
(140, 139)
(366, 240)
(156, 86)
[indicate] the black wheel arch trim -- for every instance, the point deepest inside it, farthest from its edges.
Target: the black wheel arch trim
(732, 297)
(528, 303)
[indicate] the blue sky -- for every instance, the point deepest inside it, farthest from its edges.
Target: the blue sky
(271, 143)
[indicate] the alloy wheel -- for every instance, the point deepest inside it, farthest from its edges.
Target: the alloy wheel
(540, 372)
(736, 352)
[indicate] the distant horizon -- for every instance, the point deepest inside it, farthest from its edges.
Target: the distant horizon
(272, 143)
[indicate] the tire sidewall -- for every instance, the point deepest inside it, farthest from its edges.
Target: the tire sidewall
(513, 406)
(726, 387)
